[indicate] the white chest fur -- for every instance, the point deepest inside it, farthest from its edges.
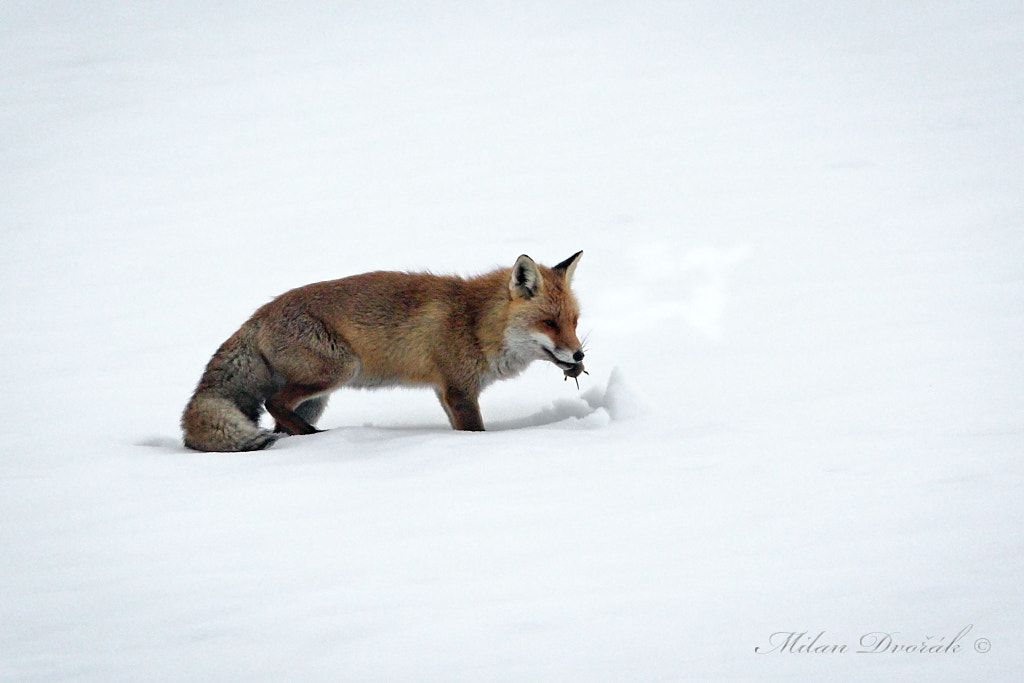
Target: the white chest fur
(518, 351)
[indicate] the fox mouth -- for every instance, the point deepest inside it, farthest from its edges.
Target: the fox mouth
(571, 369)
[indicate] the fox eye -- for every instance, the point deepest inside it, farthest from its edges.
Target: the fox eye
(550, 324)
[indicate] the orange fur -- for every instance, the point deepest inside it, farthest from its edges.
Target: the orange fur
(456, 335)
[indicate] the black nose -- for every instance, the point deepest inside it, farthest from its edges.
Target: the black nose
(578, 356)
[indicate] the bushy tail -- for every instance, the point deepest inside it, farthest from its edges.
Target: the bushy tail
(214, 423)
(224, 412)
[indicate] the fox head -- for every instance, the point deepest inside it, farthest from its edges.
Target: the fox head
(546, 312)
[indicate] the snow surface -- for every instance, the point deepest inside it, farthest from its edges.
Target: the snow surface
(803, 289)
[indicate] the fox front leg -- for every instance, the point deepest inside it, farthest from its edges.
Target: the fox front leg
(463, 410)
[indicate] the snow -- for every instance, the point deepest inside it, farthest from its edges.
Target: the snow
(802, 290)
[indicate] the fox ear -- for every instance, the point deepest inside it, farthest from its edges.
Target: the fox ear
(525, 279)
(567, 267)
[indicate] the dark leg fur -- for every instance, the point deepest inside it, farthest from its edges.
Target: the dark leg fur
(311, 409)
(463, 410)
(291, 406)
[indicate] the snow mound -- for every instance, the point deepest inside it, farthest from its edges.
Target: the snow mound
(595, 408)
(619, 400)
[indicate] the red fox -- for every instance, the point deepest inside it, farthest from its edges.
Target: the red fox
(457, 335)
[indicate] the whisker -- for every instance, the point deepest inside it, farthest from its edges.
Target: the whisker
(585, 341)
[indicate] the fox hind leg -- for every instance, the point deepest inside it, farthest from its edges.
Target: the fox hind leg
(312, 409)
(294, 405)
(308, 361)
(309, 412)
